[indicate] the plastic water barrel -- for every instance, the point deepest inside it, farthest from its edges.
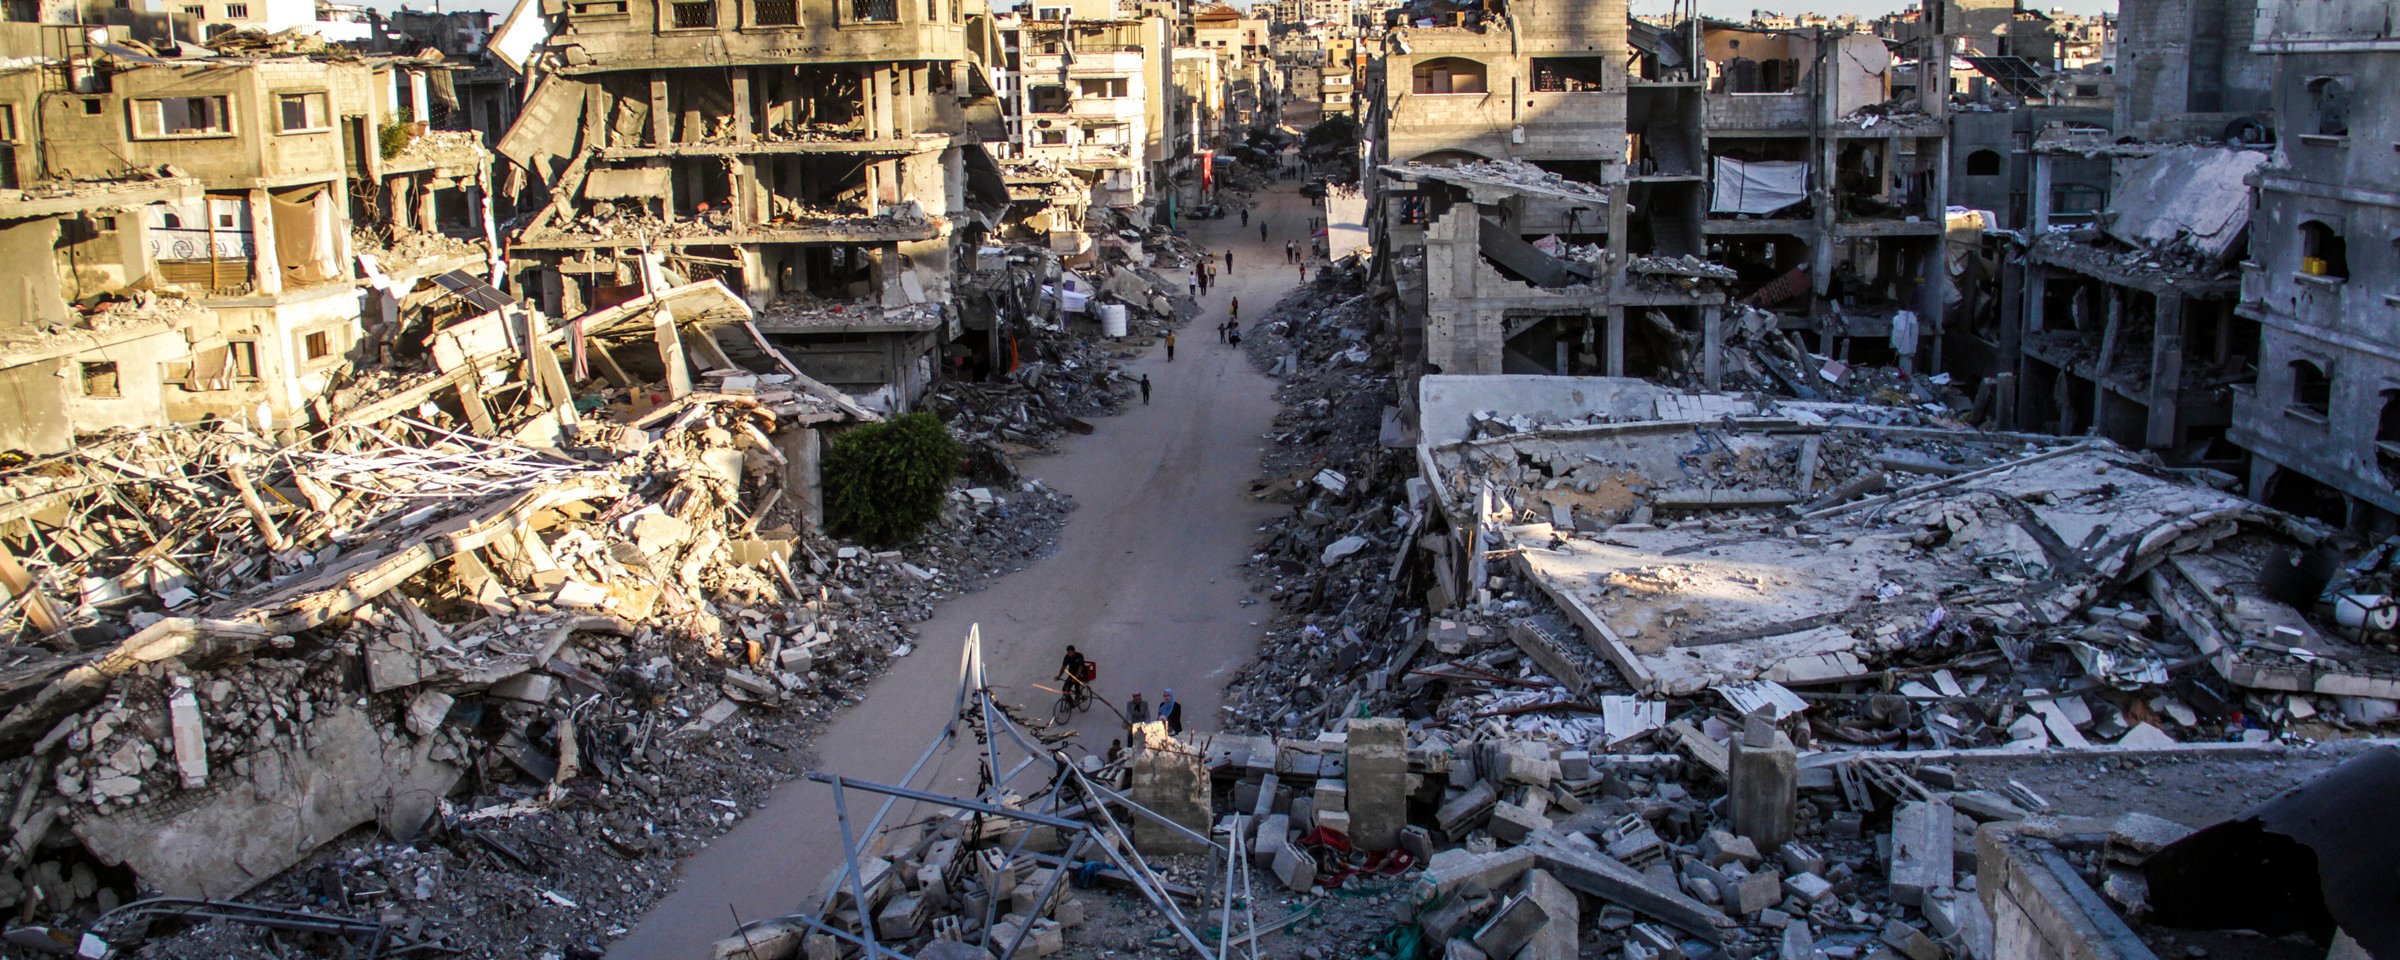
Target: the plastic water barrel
(1112, 319)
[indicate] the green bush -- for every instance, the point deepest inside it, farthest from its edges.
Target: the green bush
(394, 138)
(885, 481)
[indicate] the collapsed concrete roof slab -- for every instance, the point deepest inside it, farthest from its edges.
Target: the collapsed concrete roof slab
(2198, 196)
(1493, 180)
(2013, 532)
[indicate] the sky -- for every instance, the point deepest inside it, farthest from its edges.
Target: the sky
(1740, 9)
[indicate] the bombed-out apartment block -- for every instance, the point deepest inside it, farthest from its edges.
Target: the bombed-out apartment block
(822, 158)
(185, 231)
(1788, 170)
(1086, 94)
(2322, 280)
(2129, 327)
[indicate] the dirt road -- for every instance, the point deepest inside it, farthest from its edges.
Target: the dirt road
(1147, 580)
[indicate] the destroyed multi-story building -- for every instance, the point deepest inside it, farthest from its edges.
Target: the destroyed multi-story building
(824, 159)
(2322, 279)
(1722, 161)
(1087, 93)
(189, 230)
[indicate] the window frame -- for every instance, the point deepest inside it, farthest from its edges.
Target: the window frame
(88, 370)
(154, 107)
(323, 117)
(671, 14)
(847, 13)
(750, 11)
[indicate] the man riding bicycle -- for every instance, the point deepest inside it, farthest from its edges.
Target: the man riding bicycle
(1075, 670)
(1078, 673)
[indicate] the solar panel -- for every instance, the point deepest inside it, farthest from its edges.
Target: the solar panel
(2014, 74)
(473, 290)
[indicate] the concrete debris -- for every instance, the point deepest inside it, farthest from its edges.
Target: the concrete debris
(460, 623)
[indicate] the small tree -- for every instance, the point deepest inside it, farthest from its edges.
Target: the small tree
(1337, 132)
(885, 481)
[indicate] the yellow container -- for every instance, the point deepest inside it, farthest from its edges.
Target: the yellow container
(2313, 266)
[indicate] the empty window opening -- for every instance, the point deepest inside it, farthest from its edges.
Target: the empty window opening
(1447, 75)
(1983, 163)
(100, 379)
(2312, 390)
(1570, 74)
(301, 111)
(2323, 252)
(2076, 199)
(318, 345)
(2330, 98)
(180, 117)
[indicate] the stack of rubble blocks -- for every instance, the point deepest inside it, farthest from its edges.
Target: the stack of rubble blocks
(1538, 851)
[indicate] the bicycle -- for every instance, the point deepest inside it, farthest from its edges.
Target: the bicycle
(1076, 697)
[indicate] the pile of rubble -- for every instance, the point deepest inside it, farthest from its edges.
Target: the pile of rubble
(1427, 839)
(526, 648)
(1332, 568)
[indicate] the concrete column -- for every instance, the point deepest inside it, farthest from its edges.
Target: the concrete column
(1712, 355)
(1763, 783)
(662, 123)
(2166, 372)
(877, 83)
(425, 207)
(745, 128)
(265, 265)
(1377, 772)
(2037, 198)
(1616, 340)
(758, 285)
(2114, 298)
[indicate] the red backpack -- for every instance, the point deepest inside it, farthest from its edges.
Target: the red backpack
(1091, 671)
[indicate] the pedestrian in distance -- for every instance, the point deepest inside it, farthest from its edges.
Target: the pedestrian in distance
(1228, 261)
(1170, 346)
(1262, 231)
(1195, 284)
(1234, 336)
(1303, 273)
(1234, 311)
(1245, 216)
(1145, 389)
(1172, 713)
(1221, 328)
(1291, 252)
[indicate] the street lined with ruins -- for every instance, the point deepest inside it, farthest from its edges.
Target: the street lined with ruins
(1147, 579)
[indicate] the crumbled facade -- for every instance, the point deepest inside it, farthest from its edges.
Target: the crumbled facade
(2322, 277)
(823, 159)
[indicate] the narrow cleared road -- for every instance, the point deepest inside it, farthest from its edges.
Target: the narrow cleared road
(1147, 580)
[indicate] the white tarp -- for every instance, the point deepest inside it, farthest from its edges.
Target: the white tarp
(1757, 187)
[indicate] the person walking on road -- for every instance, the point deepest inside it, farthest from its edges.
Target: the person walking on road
(1172, 713)
(1245, 216)
(1291, 253)
(1234, 311)
(1303, 272)
(1221, 328)
(1145, 389)
(1137, 711)
(1195, 284)
(1262, 231)
(1228, 261)
(1170, 346)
